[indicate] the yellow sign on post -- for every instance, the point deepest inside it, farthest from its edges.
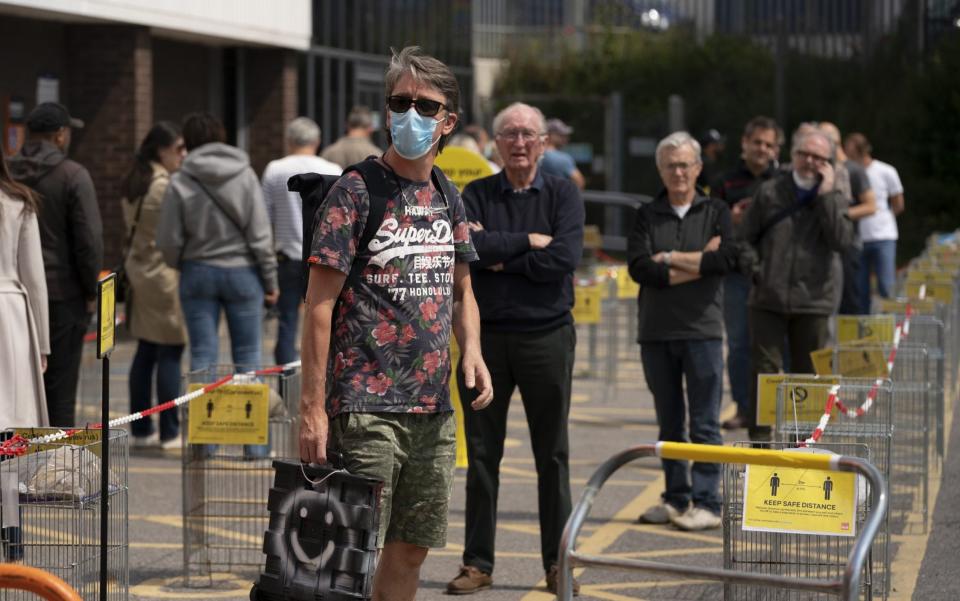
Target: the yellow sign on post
(808, 394)
(866, 328)
(461, 435)
(462, 166)
(586, 305)
(230, 414)
(804, 501)
(106, 314)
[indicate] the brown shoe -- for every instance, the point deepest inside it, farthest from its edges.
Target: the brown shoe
(552, 581)
(469, 580)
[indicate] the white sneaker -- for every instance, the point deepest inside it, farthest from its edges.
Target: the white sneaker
(659, 514)
(145, 442)
(696, 518)
(170, 444)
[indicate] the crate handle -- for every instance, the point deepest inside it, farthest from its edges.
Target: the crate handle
(36, 581)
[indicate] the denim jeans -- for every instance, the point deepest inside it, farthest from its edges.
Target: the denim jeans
(205, 291)
(290, 276)
(166, 359)
(736, 289)
(879, 256)
(665, 366)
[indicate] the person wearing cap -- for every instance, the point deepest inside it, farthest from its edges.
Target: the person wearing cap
(71, 238)
(713, 143)
(555, 161)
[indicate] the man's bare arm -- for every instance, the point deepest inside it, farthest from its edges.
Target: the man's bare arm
(866, 207)
(323, 289)
(897, 204)
(466, 327)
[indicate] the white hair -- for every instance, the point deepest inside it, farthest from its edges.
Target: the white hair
(516, 106)
(677, 139)
(803, 132)
(302, 131)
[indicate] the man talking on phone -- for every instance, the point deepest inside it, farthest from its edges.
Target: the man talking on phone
(796, 224)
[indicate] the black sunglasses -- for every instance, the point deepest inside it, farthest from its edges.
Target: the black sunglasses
(424, 106)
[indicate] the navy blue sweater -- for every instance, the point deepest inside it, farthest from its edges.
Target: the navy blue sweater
(534, 291)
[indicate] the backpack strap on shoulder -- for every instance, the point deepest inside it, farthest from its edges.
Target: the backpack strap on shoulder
(381, 187)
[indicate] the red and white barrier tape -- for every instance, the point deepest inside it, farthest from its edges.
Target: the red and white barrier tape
(833, 397)
(18, 445)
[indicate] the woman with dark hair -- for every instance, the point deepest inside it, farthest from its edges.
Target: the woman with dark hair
(153, 306)
(24, 321)
(214, 228)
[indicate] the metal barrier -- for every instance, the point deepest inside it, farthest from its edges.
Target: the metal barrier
(847, 586)
(52, 518)
(225, 487)
(36, 581)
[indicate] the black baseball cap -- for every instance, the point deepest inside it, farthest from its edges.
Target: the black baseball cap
(712, 136)
(49, 117)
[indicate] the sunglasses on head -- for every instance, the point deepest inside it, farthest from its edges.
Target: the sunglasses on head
(424, 106)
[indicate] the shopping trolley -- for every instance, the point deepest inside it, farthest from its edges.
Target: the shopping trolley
(847, 586)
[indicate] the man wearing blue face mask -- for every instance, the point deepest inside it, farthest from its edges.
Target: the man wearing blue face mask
(376, 369)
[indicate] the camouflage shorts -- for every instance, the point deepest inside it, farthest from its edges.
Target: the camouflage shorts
(413, 453)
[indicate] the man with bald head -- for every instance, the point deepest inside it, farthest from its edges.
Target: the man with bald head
(796, 224)
(527, 227)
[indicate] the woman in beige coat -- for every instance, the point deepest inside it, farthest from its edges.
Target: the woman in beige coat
(153, 305)
(24, 323)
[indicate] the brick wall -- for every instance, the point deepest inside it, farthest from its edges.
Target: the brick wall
(271, 76)
(109, 84)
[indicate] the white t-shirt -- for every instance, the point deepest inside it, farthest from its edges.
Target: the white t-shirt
(284, 207)
(885, 182)
(681, 210)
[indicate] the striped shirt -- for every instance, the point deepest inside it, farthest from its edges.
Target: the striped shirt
(284, 207)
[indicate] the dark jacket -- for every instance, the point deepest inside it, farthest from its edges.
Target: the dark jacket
(690, 311)
(535, 289)
(795, 270)
(71, 233)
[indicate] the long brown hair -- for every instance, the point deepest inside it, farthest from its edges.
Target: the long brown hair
(15, 189)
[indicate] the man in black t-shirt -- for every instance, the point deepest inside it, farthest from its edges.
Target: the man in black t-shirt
(760, 144)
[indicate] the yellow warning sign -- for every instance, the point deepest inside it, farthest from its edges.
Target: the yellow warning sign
(106, 314)
(462, 166)
(851, 361)
(586, 305)
(932, 276)
(804, 501)
(231, 414)
(626, 287)
(461, 435)
(872, 328)
(804, 392)
(939, 291)
(88, 439)
(927, 306)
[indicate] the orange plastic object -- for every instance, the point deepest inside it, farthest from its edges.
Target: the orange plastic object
(36, 581)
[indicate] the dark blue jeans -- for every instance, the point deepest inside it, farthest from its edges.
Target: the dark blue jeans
(290, 277)
(880, 257)
(736, 289)
(205, 291)
(665, 366)
(166, 359)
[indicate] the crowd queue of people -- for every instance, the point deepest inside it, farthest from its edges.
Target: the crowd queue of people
(764, 259)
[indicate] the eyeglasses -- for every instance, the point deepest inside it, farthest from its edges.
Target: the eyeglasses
(424, 106)
(512, 135)
(816, 158)
(671, 167)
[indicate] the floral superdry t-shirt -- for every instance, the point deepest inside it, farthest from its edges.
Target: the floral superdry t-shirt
(390, 338)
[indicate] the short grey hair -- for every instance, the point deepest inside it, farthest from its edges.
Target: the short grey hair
(424, 69)
(302, 131)
(517, 106)
(677, 139)
(801, 135)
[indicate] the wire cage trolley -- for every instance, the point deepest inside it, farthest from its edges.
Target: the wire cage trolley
(848, 583)
(225, 486)
(50, 512)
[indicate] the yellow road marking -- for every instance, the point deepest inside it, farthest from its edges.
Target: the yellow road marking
(162, 588)
(177, 522)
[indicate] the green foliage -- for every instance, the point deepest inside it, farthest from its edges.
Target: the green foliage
(909, 107)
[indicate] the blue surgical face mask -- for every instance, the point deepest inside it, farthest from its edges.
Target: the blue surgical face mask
(412, 133)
